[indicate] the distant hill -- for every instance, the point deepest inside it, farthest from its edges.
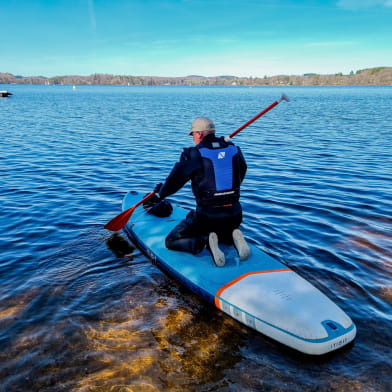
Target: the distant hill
(381, 76)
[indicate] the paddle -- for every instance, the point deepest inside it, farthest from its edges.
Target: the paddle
(284, 97)
(118, 222)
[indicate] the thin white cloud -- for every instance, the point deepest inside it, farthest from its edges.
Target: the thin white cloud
(330, 44)
(91, 11)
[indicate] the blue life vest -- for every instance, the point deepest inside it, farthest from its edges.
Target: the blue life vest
(221, 182)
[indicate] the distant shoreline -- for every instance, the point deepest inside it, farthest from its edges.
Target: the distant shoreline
(379, 76)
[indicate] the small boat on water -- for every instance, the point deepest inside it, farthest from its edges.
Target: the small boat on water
(5, 93)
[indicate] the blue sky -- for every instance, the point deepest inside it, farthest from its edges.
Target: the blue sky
(188, 37)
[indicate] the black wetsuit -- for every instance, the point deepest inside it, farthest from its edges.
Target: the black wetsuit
(216, 169)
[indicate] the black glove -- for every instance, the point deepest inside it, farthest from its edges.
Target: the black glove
(157, 206)
(152, 201)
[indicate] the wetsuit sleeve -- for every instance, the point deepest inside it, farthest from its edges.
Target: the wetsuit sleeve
(179, 175)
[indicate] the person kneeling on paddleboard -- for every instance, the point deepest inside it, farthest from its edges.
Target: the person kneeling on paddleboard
(216, 168)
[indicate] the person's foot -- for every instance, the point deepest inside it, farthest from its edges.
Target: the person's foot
(217, 255)
(241, 245)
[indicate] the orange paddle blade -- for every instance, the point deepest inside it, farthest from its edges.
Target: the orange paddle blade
(118, 222)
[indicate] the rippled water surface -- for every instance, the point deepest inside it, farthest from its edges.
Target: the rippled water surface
(82, 310)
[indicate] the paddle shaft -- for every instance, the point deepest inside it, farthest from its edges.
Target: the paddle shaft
(267, 109)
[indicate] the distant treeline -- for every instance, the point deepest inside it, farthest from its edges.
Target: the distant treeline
(381, 76)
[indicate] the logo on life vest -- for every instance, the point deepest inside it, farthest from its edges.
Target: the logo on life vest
(221, 155)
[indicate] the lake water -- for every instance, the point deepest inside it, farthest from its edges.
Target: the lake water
(82, 310)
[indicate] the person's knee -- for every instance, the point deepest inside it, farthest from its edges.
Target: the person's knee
(170, 241)
(190, 245)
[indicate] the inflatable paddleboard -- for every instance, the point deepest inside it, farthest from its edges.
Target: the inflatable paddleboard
(260, 292)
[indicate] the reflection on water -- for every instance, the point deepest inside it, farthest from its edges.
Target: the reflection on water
(81, 309)
(119, 246)
(179, 345)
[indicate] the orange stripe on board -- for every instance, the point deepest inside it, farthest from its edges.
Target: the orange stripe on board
(227, 285)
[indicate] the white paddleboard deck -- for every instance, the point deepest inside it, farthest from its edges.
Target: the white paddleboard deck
(260, 292)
